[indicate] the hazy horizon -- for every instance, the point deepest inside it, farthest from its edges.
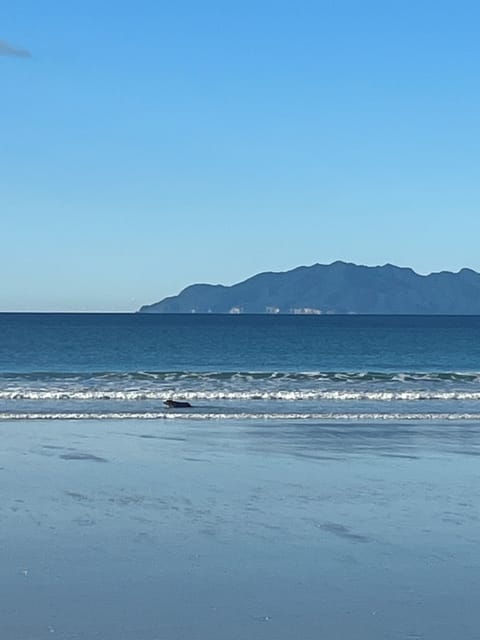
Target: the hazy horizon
(240, 281)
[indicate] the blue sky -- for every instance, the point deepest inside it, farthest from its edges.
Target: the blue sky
(149, 145)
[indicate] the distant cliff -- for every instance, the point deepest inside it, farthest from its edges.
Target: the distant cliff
(338, 288)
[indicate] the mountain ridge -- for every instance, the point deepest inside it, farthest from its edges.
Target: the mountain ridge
(336, 288)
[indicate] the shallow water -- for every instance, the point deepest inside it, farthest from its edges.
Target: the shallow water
(324, 483)
(239, 529)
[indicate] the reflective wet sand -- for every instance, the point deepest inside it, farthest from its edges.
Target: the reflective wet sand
(146, 530)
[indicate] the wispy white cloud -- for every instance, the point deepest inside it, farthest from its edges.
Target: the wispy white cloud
(7, 49)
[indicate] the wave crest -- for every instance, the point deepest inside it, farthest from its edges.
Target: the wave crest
(166, 415)
(256, 394)
(245, 376)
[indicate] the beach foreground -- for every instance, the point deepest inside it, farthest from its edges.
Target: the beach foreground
(149, 530)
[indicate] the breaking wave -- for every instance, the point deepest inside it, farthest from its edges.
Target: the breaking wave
(244, 376)
(313, 395)
(256, 394)
(166, 415)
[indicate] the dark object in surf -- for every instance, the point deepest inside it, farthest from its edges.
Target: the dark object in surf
(175, 404)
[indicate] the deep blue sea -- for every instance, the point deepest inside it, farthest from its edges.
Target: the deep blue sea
(351, 368)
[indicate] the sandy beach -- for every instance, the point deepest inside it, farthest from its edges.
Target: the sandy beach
(149, 530)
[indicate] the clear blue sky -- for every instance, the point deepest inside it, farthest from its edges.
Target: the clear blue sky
(148, 145)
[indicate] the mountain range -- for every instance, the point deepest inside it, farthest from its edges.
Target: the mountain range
(337, 288)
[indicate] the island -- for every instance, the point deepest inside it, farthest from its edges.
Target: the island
(337, 288)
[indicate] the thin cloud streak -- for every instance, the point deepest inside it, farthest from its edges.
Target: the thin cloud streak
(7, 49)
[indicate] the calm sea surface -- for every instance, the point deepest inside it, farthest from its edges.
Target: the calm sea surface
(266, 367)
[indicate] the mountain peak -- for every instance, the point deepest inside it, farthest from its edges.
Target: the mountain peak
(337, 288)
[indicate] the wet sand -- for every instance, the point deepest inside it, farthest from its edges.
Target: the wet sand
(146, 530)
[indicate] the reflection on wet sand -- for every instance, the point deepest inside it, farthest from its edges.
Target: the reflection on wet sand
(246, 530)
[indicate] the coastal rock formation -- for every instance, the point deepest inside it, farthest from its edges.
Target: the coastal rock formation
(338, 288)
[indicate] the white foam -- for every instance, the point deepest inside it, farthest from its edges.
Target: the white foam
(166, 415)
(284, 394)
(249, 376)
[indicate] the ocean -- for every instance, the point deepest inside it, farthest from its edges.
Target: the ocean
(324, 483)
(258, 367)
